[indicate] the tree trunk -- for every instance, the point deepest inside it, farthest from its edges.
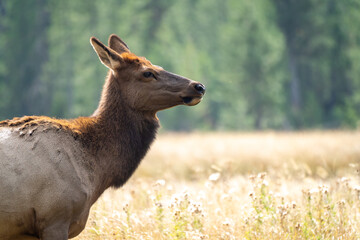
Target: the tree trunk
(295, 97)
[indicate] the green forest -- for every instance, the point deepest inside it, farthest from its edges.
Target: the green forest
(267, 64)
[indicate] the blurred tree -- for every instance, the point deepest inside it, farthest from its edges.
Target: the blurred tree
(70, 70)
(258, 55)
(3, 87)
(24, 52)
(317, 39)
(344, 103)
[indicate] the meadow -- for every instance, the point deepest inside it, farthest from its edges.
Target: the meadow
(263, 185)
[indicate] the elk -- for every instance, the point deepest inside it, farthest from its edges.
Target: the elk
(53, 170)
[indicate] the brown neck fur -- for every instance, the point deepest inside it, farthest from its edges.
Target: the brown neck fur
(115, 134)
(121, 132)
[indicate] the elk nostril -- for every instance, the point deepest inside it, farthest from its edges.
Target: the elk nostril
(200, 88)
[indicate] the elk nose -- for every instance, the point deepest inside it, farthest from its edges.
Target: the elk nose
(200, 88)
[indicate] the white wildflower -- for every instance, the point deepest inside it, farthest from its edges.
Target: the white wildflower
(160, 182)
(214, 177)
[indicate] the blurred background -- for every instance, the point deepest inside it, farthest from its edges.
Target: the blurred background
(267, 64)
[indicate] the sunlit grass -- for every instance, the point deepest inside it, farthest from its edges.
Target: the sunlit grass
(238, 186)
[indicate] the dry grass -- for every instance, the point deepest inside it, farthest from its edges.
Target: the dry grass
(238, 186)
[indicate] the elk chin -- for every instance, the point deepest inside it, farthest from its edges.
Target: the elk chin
(191, 101)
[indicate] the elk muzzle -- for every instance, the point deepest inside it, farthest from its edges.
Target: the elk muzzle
(197, 92)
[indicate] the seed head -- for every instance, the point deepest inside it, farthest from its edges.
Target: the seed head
(160, 182)
(214, 177)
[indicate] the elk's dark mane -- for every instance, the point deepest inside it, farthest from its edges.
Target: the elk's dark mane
(121, 131)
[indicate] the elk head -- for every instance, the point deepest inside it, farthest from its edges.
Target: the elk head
(144, 86)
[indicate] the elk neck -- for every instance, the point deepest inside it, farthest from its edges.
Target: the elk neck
(123, 135)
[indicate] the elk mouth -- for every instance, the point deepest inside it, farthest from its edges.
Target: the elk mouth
(187, 100)
(191, 101)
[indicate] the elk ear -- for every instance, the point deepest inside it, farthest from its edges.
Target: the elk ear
(117, 44)
(107, 56)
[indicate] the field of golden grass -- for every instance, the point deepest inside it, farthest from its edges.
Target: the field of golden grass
(264, 185)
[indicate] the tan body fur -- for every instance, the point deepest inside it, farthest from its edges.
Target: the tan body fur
(52, 170)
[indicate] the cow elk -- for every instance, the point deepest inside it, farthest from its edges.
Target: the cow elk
(53, 170)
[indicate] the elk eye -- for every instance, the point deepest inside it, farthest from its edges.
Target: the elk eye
(148, 75)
